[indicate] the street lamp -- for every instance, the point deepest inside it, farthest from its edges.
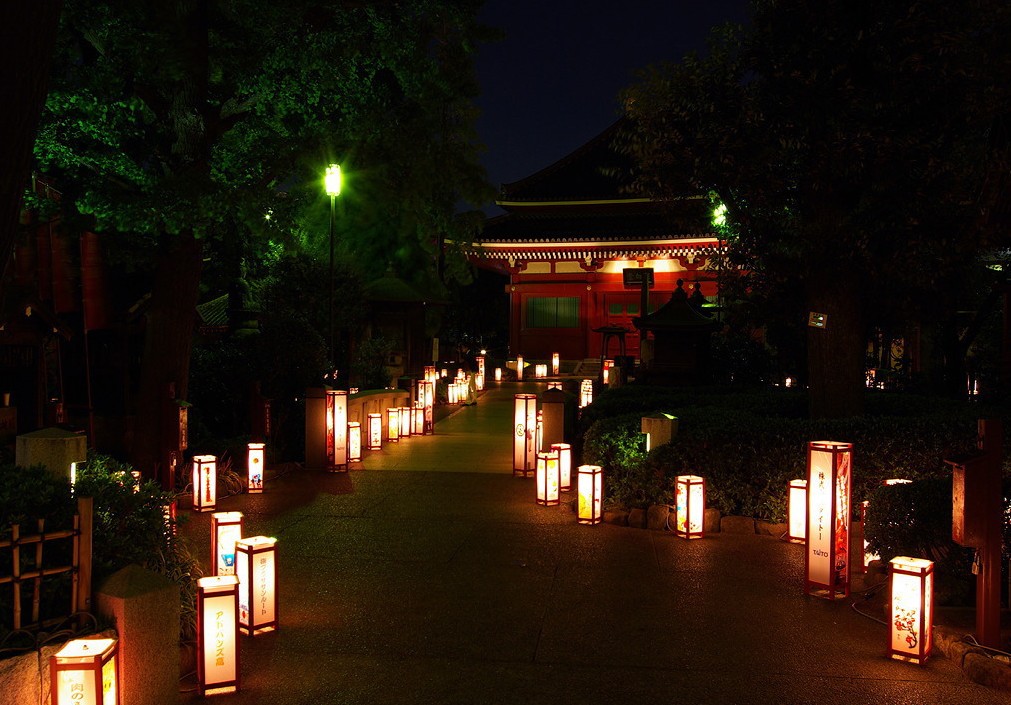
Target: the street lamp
(332, 182)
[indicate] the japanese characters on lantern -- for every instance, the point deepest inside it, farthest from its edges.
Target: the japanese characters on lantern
(554, 364)
(337, 430)
(829, 468)
(393, 424)
(374, 431)
(226, 529)
(585, 393)
(524, 434)
(205, 482)
(217, 635)
(255, 465)
(256, 568)
(85, 672)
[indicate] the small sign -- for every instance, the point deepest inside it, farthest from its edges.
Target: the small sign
(817, 320)
(634, 277)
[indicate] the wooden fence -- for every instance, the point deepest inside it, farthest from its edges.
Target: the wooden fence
(24, 548)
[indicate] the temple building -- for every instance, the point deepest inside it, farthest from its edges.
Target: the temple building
(568, 240)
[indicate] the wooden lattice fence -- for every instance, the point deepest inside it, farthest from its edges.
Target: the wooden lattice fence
(25, 555)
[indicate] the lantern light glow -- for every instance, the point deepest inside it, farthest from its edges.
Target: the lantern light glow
(690, 506)
(564, 451)
(354, 442)
(217, 635)
(590, 490)
(554, 364)
(547, 479)
(911, 626)
(205, 482)
(255, 466)
(524, 430)
(374, 433)
(827, 564)
(256, 568)
(226, 529)
(85, 672)
(797, 503)
(393, 424)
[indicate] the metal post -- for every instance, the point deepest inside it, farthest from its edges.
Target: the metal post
(330, 344)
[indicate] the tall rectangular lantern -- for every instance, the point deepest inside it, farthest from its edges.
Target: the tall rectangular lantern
(524, 434)
(690, 506)
(374, 431)
(354, 442)
(256, 568)
(796, 499)
(554, 364)
(205, 482)
(255, 465)
(564, 451)
(911, 627)
(829, 468)
(590, 490)
(393, 424)
(547, 479)
(85, 672)
(336, 430)
(217, 635)
(226, 529)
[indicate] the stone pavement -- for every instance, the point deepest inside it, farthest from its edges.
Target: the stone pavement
(430, 576)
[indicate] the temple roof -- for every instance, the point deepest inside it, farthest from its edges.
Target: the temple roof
(676, 314)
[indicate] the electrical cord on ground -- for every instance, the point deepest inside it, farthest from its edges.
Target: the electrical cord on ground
(868, 593)
(970, 639)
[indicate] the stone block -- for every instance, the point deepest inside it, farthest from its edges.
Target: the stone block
(769, 528)
(711, 521)
(656, 517)
(737, 525)
(55, 448)
(144, 606)
(617, 517)
(637, 518)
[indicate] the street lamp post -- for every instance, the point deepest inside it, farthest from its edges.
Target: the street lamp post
(332, 182)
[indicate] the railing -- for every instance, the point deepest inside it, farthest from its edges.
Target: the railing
(33, 545)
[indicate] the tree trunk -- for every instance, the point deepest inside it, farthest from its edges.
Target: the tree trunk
(835, 353)
(27, 37)
(168, 340)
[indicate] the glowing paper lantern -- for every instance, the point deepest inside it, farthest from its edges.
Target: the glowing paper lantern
(255, 466)
(796, 498)
(337, 430)
(608, 364)
(564, 451)
(452, 393)
(226, 529)
(85, 672)
(480, 365)
(392, 425)
(827, 565)
(443, 373)
(374, 435)
(590, 488)
(911, 625)
(430, 375)
(498, 374)
(205, 482)
(479, 381)
(418, 420)
(539, 440)
(519, 367)
(524, 430)
(426, 395)
(585, 393)
(690, 506)
(354, 442)
(406, 431)
(540, 371)
(554, 364)
(217, 635)
(256, 568)
(547, 479)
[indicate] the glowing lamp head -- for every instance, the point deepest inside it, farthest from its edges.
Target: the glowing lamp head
(86, 671)
(332, 180)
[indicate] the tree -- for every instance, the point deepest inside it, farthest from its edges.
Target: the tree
(180, 124)
(852, 143)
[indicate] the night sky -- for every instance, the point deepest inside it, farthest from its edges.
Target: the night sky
(552, 82)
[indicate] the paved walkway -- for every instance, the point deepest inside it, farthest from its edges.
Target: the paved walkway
(432, 577)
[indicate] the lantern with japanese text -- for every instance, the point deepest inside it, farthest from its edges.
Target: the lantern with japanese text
(554, 364)
(911, 625)
(217, 635)
(546, 479)
(689, 506)
(585, 393)
(426, 395)
(519, 367)
(827, 565)
(498, 374)
(337, 430)
(606, 371)
(256, 568)
(393, 425)
(205, 482)
(590, 490)
(480, 364)
(540, 371)
(430, 375)
(796, 499)
(564, 451)
(255, 465)
(226, 529)
(524, 434)
(354, 442)
(479, 381)
(85, 672)
(374, 431)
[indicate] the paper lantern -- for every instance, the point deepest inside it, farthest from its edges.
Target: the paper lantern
(540, 371)
(217, 635)
(426, 395)
(690, 506)
(354, 442)
(337, 430)
(519, 367)
(226, 529)
(524, 438)
(498, 374)
(539, 436)
(392, 425)
(374, 434)
(608, 364)
(585, 393)
(796, 498)
(443, 373)
(564, 451)
(205, 482)
(417, 420)
(406, 427)
(256, 568)
(827, 564)
(911, 625)
(479, 381)
(547, 479)
(590, 489)
(85, 672)
(430, 375)
(480, 365)
(255, 466)
(452, 393)
(554, 364)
